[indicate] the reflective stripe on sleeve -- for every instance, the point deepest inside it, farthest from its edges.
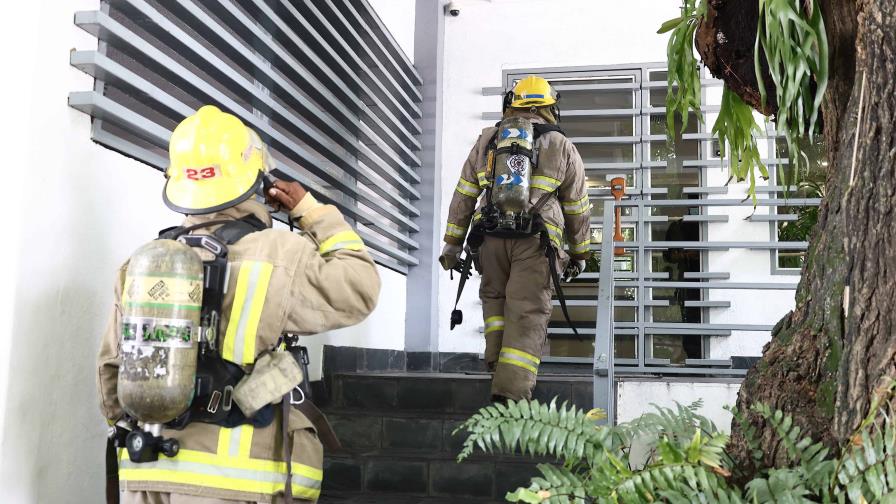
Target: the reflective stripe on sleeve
(483, 180)
(341, 241)
(519, 358)
(456, 231)
(242, 326)
(555, 234)
(577, 207)
(547, 184)
(493, 324)
(580, 248)
(468, 188)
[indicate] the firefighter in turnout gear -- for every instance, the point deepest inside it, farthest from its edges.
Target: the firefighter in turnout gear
(521, 197)
(268, 446)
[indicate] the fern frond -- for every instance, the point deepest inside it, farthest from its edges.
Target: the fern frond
(782, 485)
(565, 432)
(682, 482)
(558, 485)
(867, 469)
(748, 431)
(679, 423)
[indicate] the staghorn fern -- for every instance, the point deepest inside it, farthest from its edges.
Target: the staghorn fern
(687, 462)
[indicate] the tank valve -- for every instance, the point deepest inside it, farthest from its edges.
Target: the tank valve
(144, 446)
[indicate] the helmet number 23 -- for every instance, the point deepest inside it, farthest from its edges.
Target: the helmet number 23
(201, 173)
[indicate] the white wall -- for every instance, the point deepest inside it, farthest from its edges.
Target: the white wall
(491, 36)
(73, 211)
(398, 16)
(636, 397)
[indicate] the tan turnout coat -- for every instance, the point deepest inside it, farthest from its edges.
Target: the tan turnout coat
(560, 171)
(282, 281)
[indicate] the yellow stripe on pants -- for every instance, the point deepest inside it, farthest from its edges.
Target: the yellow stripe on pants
(519, 358)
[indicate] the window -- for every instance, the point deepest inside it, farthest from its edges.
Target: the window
(795, 223)
(323, 83)
(616, 118)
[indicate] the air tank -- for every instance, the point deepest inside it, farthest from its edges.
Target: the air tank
(513, 165)
(160, 322)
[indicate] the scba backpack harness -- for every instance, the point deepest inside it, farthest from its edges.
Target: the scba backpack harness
(506, 213)
(216, 379)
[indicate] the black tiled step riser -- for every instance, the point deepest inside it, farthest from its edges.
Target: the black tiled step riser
(442, 395)
(440, 478)
(428, 435)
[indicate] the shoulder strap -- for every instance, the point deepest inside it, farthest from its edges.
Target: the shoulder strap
(542, 128)
(233, 231)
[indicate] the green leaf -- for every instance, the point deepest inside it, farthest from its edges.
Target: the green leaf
(670, 25)
(523, 495)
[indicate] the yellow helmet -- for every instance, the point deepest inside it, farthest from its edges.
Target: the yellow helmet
(533, 91)
(216, 162)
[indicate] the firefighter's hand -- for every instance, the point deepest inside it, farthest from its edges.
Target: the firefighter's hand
(284, 196)
(573, 269)
(450, 256)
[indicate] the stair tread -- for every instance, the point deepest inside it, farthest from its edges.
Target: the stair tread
(420, 456)
(389, 498)
(461, 376)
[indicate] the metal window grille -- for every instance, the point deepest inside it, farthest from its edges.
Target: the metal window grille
(661, 312)
(322, 82)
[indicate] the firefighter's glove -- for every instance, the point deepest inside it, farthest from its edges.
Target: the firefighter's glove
(573, 269)
(450, 256)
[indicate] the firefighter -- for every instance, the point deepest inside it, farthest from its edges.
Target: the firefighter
(276, 282)
(522, 195)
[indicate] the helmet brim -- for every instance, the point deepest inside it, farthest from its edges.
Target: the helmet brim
(215, 208)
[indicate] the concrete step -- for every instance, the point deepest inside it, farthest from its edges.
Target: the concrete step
(443, 392)
(385, 498)
(437, 475)
(397, 428)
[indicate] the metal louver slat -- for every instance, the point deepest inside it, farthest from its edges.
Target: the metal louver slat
(352, 143)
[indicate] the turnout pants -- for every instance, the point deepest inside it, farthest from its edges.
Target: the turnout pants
(171, 498)
(516, 305)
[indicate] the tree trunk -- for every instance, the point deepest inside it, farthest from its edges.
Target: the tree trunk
(828, 355)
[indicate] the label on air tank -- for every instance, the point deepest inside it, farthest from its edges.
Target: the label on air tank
(163, 292)
(146, 331)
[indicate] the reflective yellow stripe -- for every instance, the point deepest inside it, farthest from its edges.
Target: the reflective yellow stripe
(493, 324)
(468, 188)
(483, 181)
(456, 231)
(555, 233)
(340, 241)
(249, 464)
(577, 207)
(228, 473)
(581, 248)
(519, 358)
(248, 301)
(544, 183)
(235, 442)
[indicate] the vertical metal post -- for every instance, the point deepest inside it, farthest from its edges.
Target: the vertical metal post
(421, 322)
(604, 383)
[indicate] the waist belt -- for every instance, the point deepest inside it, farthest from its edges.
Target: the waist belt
(474, 241)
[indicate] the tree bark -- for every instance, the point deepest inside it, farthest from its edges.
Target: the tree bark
(828, 355)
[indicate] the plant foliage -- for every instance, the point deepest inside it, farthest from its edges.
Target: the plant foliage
(736, 127)
(686, 460)
(683, 74)
(791, 35)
